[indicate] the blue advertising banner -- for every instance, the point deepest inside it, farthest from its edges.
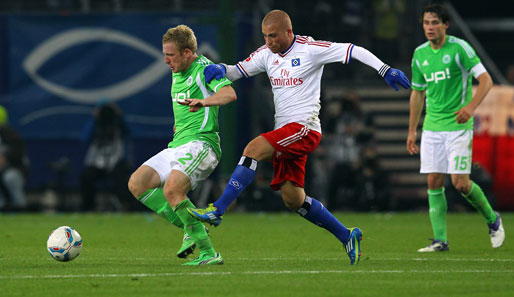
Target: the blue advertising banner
(61, 67)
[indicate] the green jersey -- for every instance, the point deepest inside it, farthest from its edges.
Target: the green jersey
(203, 124)
(445, 74)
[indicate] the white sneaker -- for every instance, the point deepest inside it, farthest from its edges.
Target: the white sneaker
(435, 246)
(496, 232)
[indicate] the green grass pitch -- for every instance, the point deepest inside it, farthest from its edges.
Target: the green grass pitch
(265, 255)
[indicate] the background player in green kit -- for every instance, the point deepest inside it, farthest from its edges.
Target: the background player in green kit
(441, 69)
(163, 181)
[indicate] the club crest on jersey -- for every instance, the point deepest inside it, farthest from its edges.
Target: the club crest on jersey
(295, 62)
(189, 80)
(446, 59)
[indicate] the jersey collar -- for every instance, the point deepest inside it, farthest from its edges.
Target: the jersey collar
(284, 53)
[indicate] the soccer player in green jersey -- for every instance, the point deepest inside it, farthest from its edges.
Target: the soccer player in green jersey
(442, 69)
(163, 181)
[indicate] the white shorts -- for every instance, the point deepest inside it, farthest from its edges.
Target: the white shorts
(446, 151)
(196, 159)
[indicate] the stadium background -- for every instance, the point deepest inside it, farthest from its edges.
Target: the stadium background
(50, 100)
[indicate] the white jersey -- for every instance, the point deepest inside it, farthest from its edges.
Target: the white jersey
(295, 77)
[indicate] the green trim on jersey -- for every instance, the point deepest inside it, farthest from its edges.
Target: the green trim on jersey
(446, 76)
(203, 124)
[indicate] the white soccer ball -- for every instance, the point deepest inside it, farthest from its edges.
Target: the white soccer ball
(64, 244)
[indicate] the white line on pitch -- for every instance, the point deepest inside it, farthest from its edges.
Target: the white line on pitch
(56, 276)
(323, 259)
(336, 259)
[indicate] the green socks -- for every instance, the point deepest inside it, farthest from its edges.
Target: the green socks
(438, 208)
(477, 198)
(194, 228)
(180, 217)
(437, 213)
(155, 200)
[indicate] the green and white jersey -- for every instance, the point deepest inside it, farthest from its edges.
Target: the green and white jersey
(203, 124)
(445, 74)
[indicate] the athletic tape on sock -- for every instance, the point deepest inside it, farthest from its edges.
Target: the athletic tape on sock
(306, 206)
(248, 163)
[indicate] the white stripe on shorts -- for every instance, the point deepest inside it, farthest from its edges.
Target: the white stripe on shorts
(295, 137)
(198, 160)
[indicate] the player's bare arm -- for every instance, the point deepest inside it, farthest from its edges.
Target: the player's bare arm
(224, 96)
(484, 85)
(416, 106)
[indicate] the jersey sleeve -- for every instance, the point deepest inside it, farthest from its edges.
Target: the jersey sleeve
(418, 82)
(324, 52)
(467, 55)
(216, 84)
(254, 64)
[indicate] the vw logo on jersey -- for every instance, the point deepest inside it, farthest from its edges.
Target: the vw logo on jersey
(446, 59)
(67, 39)
(295, 62)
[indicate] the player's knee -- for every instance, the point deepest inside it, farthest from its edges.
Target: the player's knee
(173, 194)
(292, 205)
(259, 149)
(292, 202)
(462, 186)
(435, 181)
(135, 187)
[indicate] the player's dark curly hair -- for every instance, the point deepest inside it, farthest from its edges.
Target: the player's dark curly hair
(437, 9)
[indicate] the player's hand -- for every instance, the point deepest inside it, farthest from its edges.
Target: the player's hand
(214, 71)
(464, 114)
(194, 104)
(396, 76)
(412, 148)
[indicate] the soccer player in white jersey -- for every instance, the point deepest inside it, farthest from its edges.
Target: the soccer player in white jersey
(441, 70)
(163, 181)
(294, 65)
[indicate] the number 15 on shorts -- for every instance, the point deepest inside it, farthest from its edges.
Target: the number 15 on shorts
(462, 162)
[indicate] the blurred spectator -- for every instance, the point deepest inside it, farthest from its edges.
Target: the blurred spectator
(13, 166)
(343, 149)
(107, 165)
(373, 182)
(355, 177)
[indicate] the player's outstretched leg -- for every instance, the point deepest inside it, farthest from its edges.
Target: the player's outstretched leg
(197, 231)
(316, 213)
(243, 175)
(496, 232)
(154, 199)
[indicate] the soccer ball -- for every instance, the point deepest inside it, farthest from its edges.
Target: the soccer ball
(64, 244)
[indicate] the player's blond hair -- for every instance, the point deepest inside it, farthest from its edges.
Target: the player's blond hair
(279, 17)
(182, 36)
